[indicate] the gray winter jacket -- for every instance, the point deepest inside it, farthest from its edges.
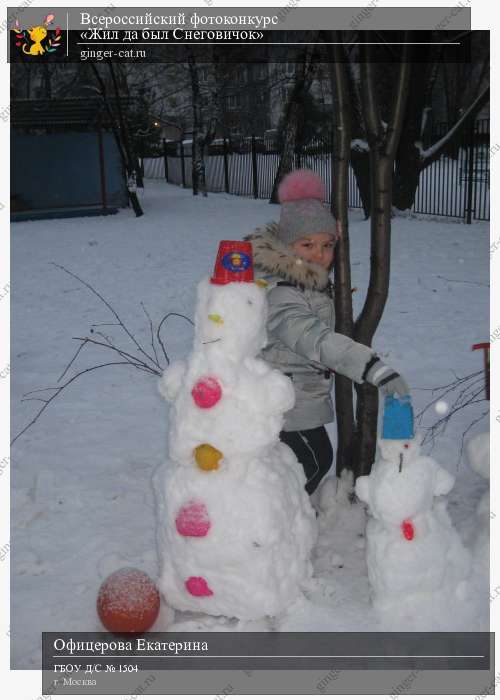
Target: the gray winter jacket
(301, 338)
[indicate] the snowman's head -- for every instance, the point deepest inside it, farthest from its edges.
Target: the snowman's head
(402, 483)
(231, 318)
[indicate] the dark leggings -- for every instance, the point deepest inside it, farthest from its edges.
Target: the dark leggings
(314, 451)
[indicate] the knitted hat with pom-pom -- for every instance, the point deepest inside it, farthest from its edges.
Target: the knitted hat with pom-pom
(301, 194)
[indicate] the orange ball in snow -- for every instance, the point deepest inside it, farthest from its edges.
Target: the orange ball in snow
(128, 601)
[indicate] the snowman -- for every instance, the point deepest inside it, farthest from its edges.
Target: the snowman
(236, 527)
(417, 564)
(478, 455)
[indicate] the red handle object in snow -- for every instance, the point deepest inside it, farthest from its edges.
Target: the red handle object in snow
(485, 347)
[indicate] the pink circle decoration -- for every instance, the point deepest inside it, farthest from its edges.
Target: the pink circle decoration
(206, 392)
(197, 586)
(192, 520)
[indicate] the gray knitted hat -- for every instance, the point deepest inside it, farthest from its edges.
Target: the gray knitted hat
(301, 194)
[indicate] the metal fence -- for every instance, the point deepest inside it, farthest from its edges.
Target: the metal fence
(458, 183)
(455, 185)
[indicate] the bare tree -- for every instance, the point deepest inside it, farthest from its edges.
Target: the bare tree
(304, 72)
(463, 89)
(343, 297)
(359, 147)
(383, 141)
(205, 121)
(197, 145)
(120, 130)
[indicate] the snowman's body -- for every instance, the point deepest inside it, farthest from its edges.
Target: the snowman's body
(478, 454)
(234, 539)
(247, 420)
(417, 564)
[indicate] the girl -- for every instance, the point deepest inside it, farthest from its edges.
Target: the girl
(295, 258)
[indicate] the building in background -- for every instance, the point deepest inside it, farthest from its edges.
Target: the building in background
(64, 160)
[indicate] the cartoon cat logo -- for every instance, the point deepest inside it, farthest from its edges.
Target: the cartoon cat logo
(38, 34)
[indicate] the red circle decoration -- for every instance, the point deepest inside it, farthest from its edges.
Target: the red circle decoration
(192, 520)
(197, 586)
(128, 602)
(408, 529)
(206, 392)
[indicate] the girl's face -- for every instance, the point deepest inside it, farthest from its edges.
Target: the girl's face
(316, 248)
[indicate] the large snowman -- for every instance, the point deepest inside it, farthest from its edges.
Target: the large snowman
(236, 527)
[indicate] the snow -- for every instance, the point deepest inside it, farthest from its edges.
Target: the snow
(360, 145)
(441, 407)
(82, 502)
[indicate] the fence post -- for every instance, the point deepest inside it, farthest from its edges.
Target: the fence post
(470, 173)
(254, 170)
(183, 166)
(226, 168)
(165, 158)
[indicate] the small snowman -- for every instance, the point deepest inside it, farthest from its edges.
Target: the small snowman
(478, 455)
(236, 527)
(417, 564)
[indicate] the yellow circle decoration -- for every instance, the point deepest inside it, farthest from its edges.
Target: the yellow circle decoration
(207, 457)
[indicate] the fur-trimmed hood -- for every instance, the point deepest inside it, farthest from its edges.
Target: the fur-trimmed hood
(272, 256)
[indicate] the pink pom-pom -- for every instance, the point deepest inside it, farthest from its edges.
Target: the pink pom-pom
(301, 184)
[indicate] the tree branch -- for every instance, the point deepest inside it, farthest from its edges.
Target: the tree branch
(108, 306)
(433, 152)
(399, 103)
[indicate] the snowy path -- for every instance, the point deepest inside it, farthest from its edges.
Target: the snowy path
(82, 504)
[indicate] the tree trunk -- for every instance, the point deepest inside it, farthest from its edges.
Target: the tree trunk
(302, 83)
(360, 159)
(126, 163)
(360, 162)
(132, 163)
(139, 170)
(342, 264)
(197, 145)
(378, 289)
(407, 165)
(383, 148)
(289, 140)
(407, 173)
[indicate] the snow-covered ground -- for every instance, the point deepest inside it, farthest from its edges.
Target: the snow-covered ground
(82, 503)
